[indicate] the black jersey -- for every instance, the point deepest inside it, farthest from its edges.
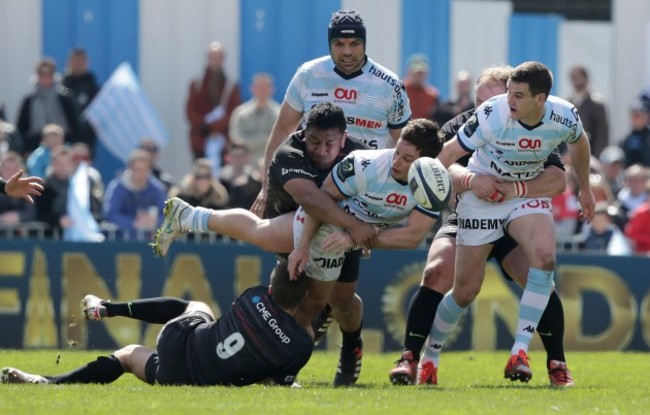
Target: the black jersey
(291, 162)
(253, 341)
(451, 127)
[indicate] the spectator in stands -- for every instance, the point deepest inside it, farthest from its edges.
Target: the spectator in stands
(51, 207)
(612, 161)
(603, 236)
(423, 97)
(81, 81)
(13, 211)
(251, 122)
(201, 188)
(210, 104)
(591, 109)
(636, 143)
(151, 146)
(10, 139)
(463, 101)
(638, 227)
(634, 193)
(38, 161)
(241, 176)
(49, 103)
(134, 200)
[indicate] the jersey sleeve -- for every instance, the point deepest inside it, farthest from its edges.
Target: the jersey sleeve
(475, 132)
(579, 128)
(293, 96)
(287, 165)
(345, 178)
(400, 109)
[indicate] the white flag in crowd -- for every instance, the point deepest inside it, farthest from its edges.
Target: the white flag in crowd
(84, 227)
(122, 115)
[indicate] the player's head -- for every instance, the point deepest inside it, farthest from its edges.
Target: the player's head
(325, 134)
(420, 137)
(491, 82)
(287, 293)
(346, 35)
(528, 88)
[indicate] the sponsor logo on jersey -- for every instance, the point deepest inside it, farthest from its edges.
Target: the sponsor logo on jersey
(286, 171)
(329, 262)
(518, 175)
(536, 204)
(346, 95)
(505, 143)
(272, 322)
(363, 123)
(398, 86)
(345, 169)
(470, 126)
(482, 224)
(396, 199)
(373, 197)
(520, 162)
(529, 143)
(565, 121)
(320, 94)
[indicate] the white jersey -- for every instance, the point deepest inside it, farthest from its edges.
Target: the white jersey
(373, 99)
(373, 195)
(510, 150)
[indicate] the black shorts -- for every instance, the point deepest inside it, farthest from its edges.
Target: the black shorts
(350, 269)
(169, 365)
(500, 249)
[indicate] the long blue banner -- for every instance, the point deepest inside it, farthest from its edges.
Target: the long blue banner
(606, 299)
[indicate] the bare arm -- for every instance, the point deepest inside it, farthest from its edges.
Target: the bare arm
(580, 156)
(394, 134)
(409, 236)
(451, 152)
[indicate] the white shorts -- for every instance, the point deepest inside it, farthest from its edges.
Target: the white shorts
(481, 222)
(322, 265)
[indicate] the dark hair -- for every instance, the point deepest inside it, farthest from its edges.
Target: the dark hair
(425, 135)
(287, 293)
(325, 116)
(536, 75)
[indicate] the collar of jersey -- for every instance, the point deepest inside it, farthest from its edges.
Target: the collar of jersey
(354, 74)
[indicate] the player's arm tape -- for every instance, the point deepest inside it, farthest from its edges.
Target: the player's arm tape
(466, 180)
(520, 188)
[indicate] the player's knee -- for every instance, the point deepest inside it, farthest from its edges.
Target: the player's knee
(124, 355)
(465, 294)
(545, 259)
(349, 307)
(438, 276)
(199, 306)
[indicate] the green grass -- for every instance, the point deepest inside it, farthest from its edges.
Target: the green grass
(607, 383)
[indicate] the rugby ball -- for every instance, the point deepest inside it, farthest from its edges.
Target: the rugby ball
(430, 183)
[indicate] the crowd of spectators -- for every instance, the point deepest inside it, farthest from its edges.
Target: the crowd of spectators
(227, 137)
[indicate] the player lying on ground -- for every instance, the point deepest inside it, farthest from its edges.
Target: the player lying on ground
(256, 340)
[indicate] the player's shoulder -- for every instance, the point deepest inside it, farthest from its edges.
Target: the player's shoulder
(371, 154)
(451, 127)
(382, 74)
(558, 102)
(318, 64)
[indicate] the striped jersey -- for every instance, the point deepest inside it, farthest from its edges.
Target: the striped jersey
(373, 195)
(510, 150)
(373, 99)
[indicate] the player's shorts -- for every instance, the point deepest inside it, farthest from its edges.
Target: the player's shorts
(501, 248)
(323, 265)
(481, 222)
(168, 366)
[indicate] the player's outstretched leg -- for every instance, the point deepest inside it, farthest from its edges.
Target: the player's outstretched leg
(13, 375)
(171, 227)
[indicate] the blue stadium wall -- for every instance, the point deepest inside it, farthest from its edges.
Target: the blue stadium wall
(606, 299)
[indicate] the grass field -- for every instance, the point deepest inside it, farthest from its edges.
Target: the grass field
(472, 383)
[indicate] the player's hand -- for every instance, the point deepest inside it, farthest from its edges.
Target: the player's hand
(24, 187)
(587, 205)
(485, 188)
(297, 262)
(337, 242)
(364, 234)
(259, 205)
